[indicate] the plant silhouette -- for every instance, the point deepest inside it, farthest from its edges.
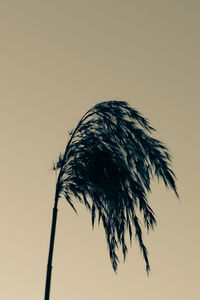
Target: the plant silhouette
(108, 164)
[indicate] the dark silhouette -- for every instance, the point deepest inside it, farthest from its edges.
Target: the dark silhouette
(108, 164)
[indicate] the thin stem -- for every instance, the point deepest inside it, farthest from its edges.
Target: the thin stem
(55, 210)
(51, 246)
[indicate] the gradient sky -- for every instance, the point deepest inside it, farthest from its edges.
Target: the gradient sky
(59, 58)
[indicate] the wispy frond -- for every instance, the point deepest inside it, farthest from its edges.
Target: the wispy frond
(108, 165)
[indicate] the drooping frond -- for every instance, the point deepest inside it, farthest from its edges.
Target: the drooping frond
(108, 165)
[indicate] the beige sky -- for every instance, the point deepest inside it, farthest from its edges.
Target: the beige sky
(59, 58)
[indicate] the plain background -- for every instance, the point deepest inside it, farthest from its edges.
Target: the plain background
(57, 59)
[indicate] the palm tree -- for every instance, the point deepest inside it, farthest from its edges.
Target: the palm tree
(108, 164)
